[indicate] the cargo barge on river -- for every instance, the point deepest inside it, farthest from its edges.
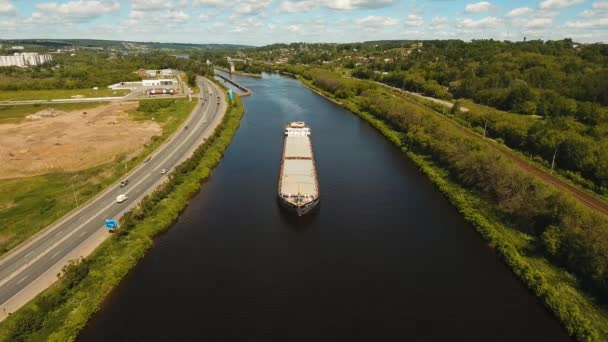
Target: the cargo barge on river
(298, 183)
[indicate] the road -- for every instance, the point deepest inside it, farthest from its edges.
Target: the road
(27, 266)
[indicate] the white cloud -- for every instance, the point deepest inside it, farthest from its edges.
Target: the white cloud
(297, 6)
(73, 10)
(249, 6)
(594, 23)
(481, 23)
(150, 5)
(538, 23)
(355, 4)
(551, 4)
(439, 21)
(210, 3)
(6, 7)
(376, 21)
(517, 12)
(414, 20)
(479, 7)
(293, 28)
(599, 8)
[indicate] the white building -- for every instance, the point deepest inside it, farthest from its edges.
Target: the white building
(25, 59)
(167, 72)
(158, 82)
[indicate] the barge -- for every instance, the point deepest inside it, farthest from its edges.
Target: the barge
(298, 183)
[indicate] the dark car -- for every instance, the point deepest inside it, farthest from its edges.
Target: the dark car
(124, 183)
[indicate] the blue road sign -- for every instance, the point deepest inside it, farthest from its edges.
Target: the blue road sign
(111, 224)
(230, 94)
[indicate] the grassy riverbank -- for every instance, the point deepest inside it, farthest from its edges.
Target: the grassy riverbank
(62, 311)
(522, 248)
(28, 205)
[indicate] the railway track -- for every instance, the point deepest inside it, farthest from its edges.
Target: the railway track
(582, 196)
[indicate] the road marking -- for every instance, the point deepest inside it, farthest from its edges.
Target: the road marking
(73, 231)
(22, 279)
(81, 234)
(54, 255)
(28, 254)
(59, 233)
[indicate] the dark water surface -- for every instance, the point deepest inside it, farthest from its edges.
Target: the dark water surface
(385, 258)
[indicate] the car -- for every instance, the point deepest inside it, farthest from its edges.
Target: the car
(147, 159)
(124, 183)
(186, 127)
(204, 121)
(163, 171)
(121, 198)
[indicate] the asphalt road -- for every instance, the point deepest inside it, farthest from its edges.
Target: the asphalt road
(21, 267)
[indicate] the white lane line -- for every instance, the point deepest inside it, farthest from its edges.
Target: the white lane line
(28, 254)
(59, 233)
(22, 279)
(46, 251)
(81, 234)
(20, 269)
(55, 254)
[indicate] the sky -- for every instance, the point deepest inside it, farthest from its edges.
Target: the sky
(261, 22)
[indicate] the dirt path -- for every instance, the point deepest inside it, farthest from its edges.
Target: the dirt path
(70, 141)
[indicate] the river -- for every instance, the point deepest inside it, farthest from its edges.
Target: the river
(385, 257)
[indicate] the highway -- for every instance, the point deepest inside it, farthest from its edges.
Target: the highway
(26, 265)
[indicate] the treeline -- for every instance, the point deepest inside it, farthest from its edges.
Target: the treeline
(568, 234)
(580, 150)
(89, 69)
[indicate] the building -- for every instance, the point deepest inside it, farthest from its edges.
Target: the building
(17, 47)
(167, 72)
(25, 59)
(158, 82)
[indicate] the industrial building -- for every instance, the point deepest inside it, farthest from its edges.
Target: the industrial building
(25, 59)
(157, 82)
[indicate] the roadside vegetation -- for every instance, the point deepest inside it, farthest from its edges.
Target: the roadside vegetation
(555, 245)
(59, 313)
(30, 204)
(16, 114)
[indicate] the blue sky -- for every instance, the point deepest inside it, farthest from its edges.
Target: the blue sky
(260, 22)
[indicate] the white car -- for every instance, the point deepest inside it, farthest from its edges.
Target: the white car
(121, 198)
(163, 171)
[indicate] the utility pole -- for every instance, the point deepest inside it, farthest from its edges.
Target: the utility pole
(485, 125)
(553, 161)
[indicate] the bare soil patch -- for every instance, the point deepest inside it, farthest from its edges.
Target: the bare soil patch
(53, 140)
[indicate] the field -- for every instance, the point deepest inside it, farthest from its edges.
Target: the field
(29, 204)
(22, 95)
(17, 113)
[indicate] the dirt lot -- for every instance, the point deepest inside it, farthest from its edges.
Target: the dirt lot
(55, 140)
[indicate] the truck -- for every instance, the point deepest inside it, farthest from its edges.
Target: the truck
(121, 198)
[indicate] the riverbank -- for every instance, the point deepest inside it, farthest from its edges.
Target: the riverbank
(63, 310)
(557, 289)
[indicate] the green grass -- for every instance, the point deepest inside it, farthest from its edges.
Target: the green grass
(22, 95)
(15, 114)
(27, 205)
(60, 312)
(558, 290)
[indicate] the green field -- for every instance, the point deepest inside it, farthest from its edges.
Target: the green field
(15, 114)
(51, 94)
(27, 205)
